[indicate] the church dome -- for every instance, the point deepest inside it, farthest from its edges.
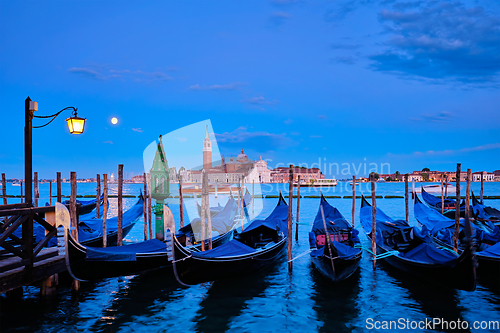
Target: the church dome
(242, 158)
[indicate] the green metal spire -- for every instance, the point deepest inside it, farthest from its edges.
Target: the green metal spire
(160, 174)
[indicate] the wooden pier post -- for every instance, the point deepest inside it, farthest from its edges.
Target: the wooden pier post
(407, 208)
(58, 187)
(481, 194)
(120, 205)
(290, 218)
(21, 191)
(150, 213)
(374, 223)
(4, 189)
(298, 206)
(467, 193)
(72, 207)
(253, 196)
(37, 194)
(457, 209)
(207, 209)
(181, 208)
(98, 197)
(413, 188)
(50, 193)
(75, 286)
(442, 195)
(105, 210)
(353, 212)
(446, 187)
(145, 207)
(203, 211)
(240, 201)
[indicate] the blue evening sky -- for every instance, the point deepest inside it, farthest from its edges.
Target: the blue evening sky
(410, 83)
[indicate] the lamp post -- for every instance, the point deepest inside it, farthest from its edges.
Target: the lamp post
(75, 124)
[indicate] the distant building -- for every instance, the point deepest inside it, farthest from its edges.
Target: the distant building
(487, 176)
(260, 173)
(227, 171)
(138, 179)
(281, 174)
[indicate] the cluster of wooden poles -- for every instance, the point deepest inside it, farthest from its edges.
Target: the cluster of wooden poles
(205, 206)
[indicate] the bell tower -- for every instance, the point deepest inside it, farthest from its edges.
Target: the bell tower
(207, 151)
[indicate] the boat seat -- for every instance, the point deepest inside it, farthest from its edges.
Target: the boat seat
(339, 237)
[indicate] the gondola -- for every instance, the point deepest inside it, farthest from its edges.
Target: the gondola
(449, 204)
(417, 254)
(485, 234)
(484, 213)
(342, 259)
(260, 244)
(85, 206)
(90, 263)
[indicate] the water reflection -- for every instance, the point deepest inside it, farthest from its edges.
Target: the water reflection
(335, 304)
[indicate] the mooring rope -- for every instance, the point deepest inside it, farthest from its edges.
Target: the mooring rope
(300, 255)
(377, 256)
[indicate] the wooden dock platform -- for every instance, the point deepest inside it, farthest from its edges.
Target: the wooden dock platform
(24, 261)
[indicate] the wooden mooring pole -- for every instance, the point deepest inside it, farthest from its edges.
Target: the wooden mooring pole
(446, 187)
(207, 209)
(4, 189)
(457, 210)
(467, 193)
(290, 218)
(150, 213)
(203, 211)
(73, 218)
(120, 205)
(58, 187)
(481, 194)
(407, 208)
(105, 210)
(353, 212)
(37, 194)
(253, 196)
(145, 207)
(50, 193)
(21, 191)
(181, 208)
(374, 223)
(98, 197)
(240, 202)
(298, 207)
(413, 188)
(442, 195)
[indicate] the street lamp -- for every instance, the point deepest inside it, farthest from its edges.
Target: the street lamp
(75, 125)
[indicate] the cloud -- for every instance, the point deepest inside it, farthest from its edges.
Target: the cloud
(347, 60)
(138, 130)
(121, 74)
(441, 117)
(260, 101)
(228, 86)
(344, 46)
(288, 121)
(284, 2)
(340, 11)
(440, 41)
(86, 72)
(322, 116)
(109, 142)
(315, 136)
(279, 18)
(261, 141)
(489, 146)
(181, 139)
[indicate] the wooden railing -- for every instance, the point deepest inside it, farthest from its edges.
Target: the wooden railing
(21, 215)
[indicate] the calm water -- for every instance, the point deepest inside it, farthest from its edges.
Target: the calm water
(270, 301)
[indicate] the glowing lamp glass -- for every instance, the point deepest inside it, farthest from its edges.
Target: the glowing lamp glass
(76, 125)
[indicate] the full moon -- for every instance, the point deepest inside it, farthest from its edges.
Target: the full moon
(114, 120)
